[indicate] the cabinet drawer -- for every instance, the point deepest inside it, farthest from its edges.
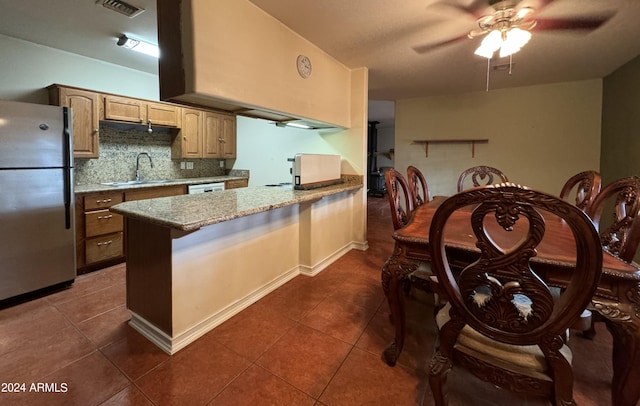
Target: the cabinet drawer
(102, 200)
(151, 193)
(102, 222)
(103, 247)
(234, 184)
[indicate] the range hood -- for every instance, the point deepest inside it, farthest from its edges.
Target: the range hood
(282, 120)
(277, 118)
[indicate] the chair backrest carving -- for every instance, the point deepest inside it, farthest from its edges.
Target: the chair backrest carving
(620, 228)
(503, 295)
(400, 200)
(417, 186)
(586, 186)
(481, 176)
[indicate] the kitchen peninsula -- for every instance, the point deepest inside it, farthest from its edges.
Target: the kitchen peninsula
(194, 261)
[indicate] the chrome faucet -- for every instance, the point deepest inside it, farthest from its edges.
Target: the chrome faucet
(138, 164)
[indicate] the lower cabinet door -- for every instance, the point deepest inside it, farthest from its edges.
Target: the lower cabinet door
(103, 247)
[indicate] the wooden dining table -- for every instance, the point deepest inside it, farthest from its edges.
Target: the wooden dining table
(617, 297)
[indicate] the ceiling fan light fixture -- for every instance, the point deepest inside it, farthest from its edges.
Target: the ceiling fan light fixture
(515, 40)
(508, 42)
(490, 44)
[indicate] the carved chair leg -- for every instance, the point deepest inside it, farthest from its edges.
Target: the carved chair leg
(439, 368)
(563, 385)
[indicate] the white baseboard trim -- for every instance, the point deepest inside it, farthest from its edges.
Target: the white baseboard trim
(175, 344)
(172, 345)
(320, 266)
(360, 245)
(151, 332)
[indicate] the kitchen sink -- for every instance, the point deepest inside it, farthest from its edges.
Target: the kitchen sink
(134, 182)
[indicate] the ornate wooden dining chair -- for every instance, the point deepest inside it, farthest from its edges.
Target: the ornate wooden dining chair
(400, 200)
(480, 176)
(620, 229)
(401, 204)
(501, 321)
(584, 186)
(417, 186)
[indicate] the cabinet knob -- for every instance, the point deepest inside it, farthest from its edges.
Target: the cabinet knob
(95, 130)
(184, 137)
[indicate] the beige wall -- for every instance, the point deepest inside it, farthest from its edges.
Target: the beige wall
(539, 136)
(234, 52)
(621, 123)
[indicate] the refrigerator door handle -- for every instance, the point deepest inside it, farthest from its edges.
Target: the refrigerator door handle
(67, 167)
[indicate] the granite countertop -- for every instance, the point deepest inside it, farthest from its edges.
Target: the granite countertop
(191, 212)
(99, 187)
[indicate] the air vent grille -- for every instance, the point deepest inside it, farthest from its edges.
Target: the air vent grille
(121, 7)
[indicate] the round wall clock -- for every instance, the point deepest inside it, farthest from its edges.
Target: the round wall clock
(304, 66)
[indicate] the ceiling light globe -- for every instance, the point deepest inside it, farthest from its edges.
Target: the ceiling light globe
(485, 52)
(492, 41)
(518, 37)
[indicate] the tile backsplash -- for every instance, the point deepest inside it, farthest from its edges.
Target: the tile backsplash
(119, 148)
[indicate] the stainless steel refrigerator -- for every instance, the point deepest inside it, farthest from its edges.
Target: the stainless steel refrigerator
(37, 232)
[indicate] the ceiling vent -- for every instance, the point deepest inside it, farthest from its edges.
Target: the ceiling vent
(121, 7)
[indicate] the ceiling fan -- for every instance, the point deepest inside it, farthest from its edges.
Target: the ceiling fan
(509, 24)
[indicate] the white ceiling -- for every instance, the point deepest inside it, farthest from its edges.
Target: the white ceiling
(378, 34)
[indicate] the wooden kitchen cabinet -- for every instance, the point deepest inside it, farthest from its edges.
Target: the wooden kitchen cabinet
(150, 193)
(99, 233)
(85, 107)
(127, 109)
(205, 134)
(228, 137)
(236, 183)
(163, 114)
(124, 109)
(188, 142)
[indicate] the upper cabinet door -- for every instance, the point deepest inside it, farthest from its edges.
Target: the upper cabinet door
(85, 106)
(228, 137)
(191, 133)
(211, 130)
(162, 114)
(125, 109)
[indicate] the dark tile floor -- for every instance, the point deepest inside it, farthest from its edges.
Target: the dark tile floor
(314, 341)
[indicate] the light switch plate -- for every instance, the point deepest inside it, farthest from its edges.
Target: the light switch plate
(183, 165)
(189, 165)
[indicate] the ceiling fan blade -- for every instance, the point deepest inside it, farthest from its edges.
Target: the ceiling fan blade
(475, 8)
(431, 47)
(576, 23)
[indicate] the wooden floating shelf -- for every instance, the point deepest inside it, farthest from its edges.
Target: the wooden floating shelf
(471, 141)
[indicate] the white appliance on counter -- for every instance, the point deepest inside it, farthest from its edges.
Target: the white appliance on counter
(310, 171)
(37, 231)
(205, 187)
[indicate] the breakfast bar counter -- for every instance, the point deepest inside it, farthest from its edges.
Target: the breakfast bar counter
(193, 261)
(191, 212)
